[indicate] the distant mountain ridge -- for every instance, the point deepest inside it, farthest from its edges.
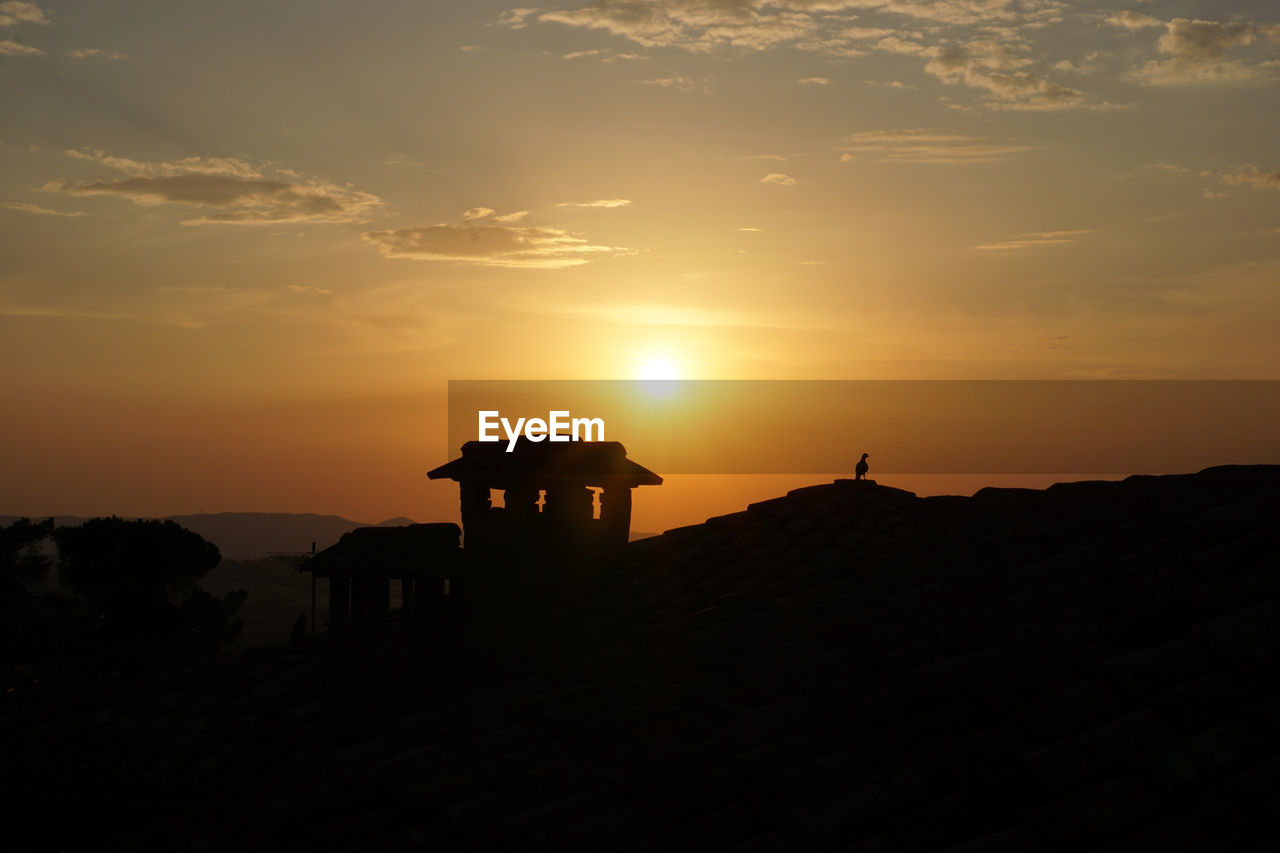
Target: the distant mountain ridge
(245, 535)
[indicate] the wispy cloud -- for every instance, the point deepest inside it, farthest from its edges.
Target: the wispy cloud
(870, 33)
(1195, 52)
(1131, 20)
(27, 207)
(988, 13)
(97, 53)
(694, 25)
(998, 69)
(603, 202)
(922, 145)
(1033, 239)
(13, 12)
(475, 214)
(518, 18)
(1247, 175)
(778, 179)
(814, 25)
(236, 192)
(892, 84)
(229, 166)
(1252, 176)
(976, 43)
(815, 81)
(998, 60)
(486, 244)
(676, 81)
(9, 47)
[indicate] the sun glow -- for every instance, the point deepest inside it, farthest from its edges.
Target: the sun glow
(657, 368)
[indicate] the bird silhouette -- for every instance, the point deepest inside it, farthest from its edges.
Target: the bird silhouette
(860, 472)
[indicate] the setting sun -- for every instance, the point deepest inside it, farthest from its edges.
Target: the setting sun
(658, 368)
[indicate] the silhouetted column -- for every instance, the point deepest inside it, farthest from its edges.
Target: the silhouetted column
(615, 513)
(475, 508)
(379, 598)
(570, 507)
(455, 602)
(522, 505)
(407, 596)
(427, 597)
(359, 600)
(339, 599)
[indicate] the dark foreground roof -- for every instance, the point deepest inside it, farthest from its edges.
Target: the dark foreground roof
(412, 550)
(846, 668)
(540, 464)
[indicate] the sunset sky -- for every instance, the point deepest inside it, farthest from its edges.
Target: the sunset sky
(244, 245)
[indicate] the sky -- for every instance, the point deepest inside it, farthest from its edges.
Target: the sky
(245, 245)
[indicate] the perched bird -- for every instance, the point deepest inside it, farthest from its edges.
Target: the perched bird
(860, 472)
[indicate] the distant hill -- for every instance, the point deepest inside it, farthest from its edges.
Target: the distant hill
(249, 535)
(245, 535)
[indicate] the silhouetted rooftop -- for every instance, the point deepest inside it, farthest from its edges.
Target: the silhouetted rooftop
(535, 465)
(413, 550)
(848, 667)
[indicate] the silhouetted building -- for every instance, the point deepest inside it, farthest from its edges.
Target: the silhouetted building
(548, 500)
(550, 516)
(424, 558)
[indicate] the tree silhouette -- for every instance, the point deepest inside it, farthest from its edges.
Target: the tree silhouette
(22, 565)
(139, 580)
(23, 571)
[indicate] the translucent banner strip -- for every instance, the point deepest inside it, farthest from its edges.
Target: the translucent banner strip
(906, 427)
